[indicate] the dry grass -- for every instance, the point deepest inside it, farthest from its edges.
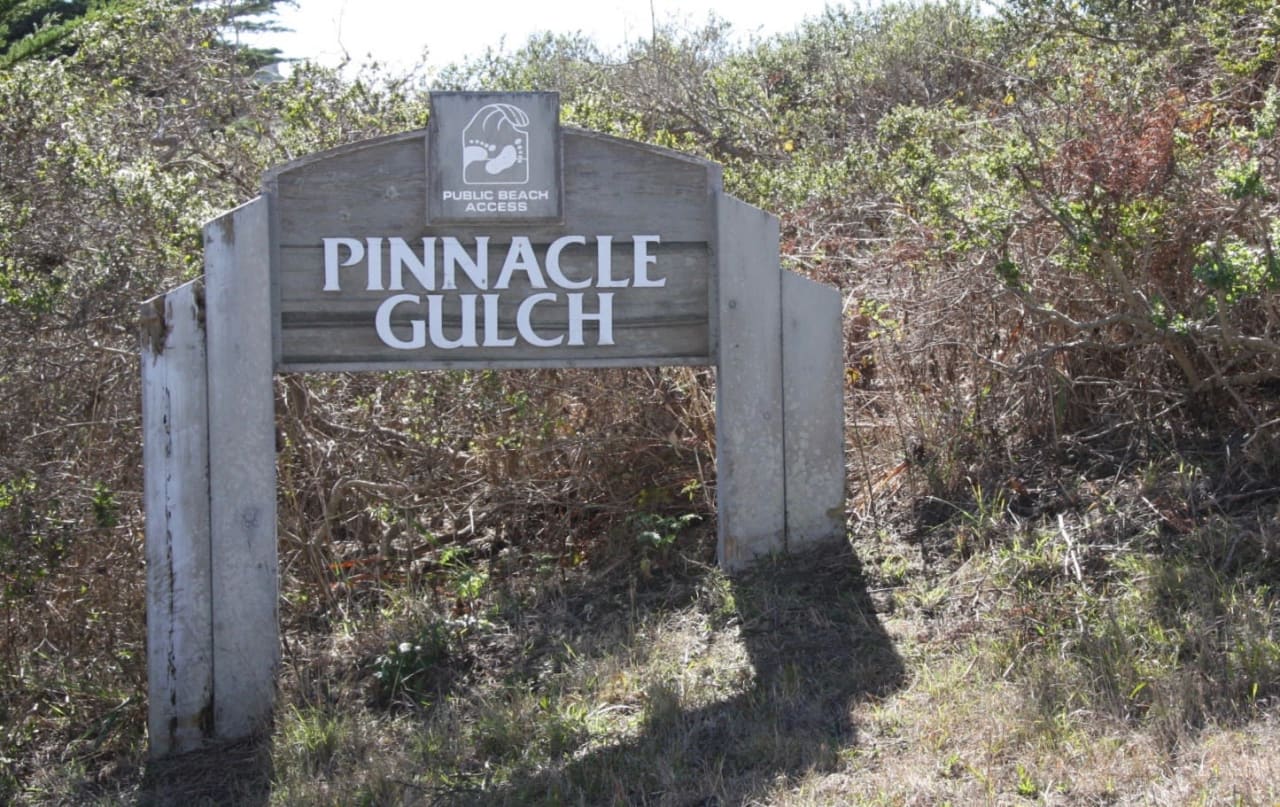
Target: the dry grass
(831, 677)
(1016, 618)
(651, 691)
(1019, 616)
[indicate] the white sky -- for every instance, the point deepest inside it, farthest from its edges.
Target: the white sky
(395, 32)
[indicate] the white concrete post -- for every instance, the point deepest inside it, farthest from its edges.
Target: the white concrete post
(242, 481)
(813, 396)
(750, 484)
(175, 456)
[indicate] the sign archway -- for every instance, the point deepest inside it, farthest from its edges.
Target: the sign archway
(493, 239)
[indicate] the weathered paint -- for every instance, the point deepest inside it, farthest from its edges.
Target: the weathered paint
(176, 498)
(242, 482)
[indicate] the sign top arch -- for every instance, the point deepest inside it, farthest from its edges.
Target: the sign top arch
(493, 238)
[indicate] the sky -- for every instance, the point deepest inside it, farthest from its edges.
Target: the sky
(395, 32)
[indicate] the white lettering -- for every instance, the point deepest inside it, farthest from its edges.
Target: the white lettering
(479, 320)
(603, 319)
(423, 269)
(476, 270)
(643, 260)
(520, 258)
(449, 256)
(382, 323)
(435, 313)
(497, 207)
(491, 338)
(604, 264)
(522, 195)
(525, 328)
(553, 262)
(355, 254)
(430, 330)
(374, 252)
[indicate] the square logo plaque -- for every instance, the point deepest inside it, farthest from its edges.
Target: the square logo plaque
(494, 157)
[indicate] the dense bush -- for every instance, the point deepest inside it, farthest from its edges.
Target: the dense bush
(1054, 228)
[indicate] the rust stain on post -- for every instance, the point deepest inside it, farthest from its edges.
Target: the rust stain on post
(153, 318)
(154, 325)
(198, 295)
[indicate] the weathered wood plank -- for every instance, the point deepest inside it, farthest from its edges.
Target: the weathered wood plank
(175, 456)
(568, 363)
(242, 470)
(813, 399)
(642, 353)
(372, 191)
(628, 188)
(616, 186)
(612, 188)
(750, 485)
(319, 328)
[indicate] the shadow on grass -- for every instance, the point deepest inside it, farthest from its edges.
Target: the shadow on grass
(817, 649)
(234, 774)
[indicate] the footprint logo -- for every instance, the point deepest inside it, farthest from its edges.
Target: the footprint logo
(495, 146)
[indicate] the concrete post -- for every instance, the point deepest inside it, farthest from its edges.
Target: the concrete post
(175, 451)
(813, 404)
(750, 484)
(242, 480)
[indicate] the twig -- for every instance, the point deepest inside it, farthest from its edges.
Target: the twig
(1071, 552)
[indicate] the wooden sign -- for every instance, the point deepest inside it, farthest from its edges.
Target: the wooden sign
(389, 254)
(493, 239)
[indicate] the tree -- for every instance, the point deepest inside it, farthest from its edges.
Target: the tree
(38, 28)
(41, 29)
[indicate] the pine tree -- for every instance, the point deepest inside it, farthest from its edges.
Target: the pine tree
(37, 28)
(41, 29)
